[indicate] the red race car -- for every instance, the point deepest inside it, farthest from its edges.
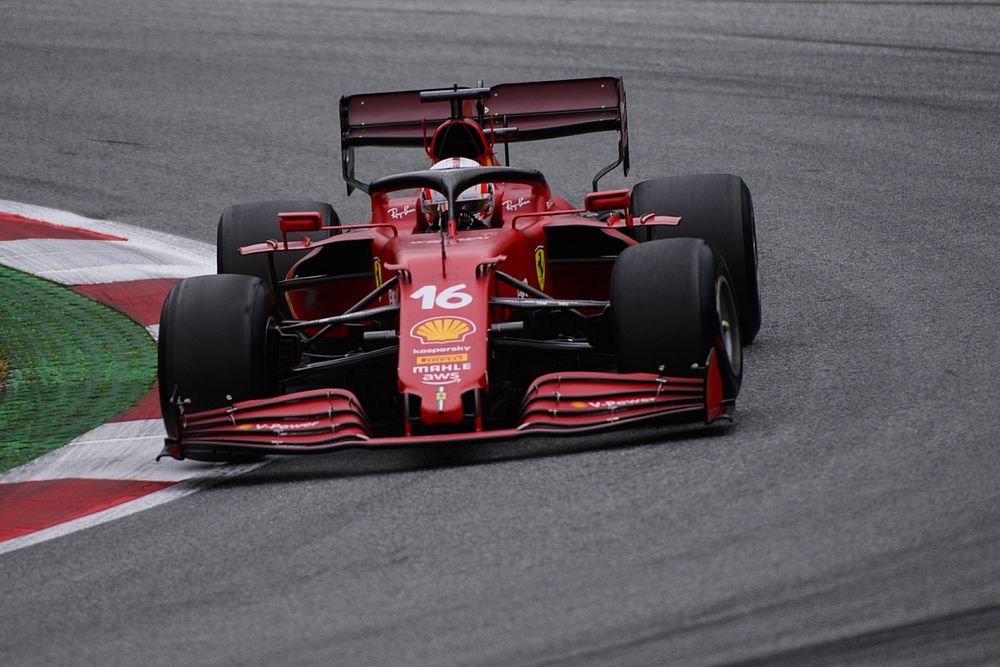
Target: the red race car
(475, 304)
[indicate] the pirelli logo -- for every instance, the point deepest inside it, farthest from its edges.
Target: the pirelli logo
(441, 359)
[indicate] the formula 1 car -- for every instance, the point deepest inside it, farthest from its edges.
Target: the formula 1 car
(475, 304)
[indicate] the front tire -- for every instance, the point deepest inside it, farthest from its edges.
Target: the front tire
(256, 222)
(214, 348)
(672, 302)
(718, 209)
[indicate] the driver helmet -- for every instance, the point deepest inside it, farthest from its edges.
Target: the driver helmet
(475, 205)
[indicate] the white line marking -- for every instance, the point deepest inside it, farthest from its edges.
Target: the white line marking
(75, 262)
(136, 235)
(117, 450)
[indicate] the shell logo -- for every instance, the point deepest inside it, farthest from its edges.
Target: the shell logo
(442, 329)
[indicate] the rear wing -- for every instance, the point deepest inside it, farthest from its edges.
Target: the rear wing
(507, 112)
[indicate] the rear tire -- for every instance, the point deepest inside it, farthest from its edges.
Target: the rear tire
(213, 348)
(671, 304)
(256, 222)
(718, 209)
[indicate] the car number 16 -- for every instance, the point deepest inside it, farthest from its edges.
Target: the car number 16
(450, 298)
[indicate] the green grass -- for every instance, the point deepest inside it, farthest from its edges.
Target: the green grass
(3, 369)
(72, 364)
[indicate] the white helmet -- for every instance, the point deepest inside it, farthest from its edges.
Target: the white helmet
(475, 205)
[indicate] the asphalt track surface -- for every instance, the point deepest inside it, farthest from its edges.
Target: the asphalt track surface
(850, 515)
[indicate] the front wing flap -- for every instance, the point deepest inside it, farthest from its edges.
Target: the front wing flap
(570, 400)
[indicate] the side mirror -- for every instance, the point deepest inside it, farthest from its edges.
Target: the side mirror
(300, 221)
(607, 200)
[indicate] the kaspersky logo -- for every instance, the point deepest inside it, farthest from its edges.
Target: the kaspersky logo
(442, 330)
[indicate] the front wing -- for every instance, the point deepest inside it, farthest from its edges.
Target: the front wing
(318, 421)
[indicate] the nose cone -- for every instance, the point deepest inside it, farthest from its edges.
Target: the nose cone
(445, 357)
(444, 326)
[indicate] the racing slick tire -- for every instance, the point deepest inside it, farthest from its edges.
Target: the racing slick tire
(213, 349)
(672, 301)
(256, 222)
(718, 209)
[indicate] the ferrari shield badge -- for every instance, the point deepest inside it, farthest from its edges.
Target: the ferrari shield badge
(540, 266)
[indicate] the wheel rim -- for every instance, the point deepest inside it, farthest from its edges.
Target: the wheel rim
(729, 324)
